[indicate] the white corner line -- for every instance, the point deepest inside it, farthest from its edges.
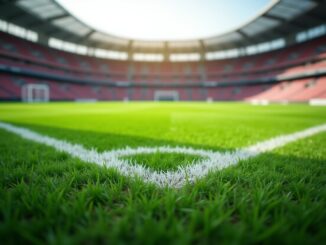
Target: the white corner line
(175, 179)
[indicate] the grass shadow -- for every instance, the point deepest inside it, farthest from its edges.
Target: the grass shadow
(108, 141)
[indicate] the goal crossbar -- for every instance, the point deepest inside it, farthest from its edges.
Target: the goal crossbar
(35, 93)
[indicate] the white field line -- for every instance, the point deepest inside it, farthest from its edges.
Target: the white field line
(174, 179)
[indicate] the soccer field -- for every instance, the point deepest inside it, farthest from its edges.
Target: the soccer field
(52, 193)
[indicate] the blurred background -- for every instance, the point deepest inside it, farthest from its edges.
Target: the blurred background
(267, 51)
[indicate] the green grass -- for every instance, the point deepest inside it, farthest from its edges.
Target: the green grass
(49, 197)
(167, 161)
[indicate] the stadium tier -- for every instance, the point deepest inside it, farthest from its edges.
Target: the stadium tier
(295, 73)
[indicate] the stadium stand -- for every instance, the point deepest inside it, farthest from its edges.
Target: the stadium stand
(294, 73)
(279, 55)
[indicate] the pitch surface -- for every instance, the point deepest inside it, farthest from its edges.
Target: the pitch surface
(47, 196)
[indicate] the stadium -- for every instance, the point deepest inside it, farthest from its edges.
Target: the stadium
(211, 137)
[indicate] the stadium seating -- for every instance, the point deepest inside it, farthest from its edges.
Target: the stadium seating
(291, 74)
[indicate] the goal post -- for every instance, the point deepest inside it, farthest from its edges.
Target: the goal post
(35, 93)
(166, 95)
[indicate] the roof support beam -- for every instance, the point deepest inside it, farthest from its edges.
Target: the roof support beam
(270, 33)
(166, 52)
(130, 74)
(57, 17)
(291, 23)
(40, 23)
(247, 38)
(130, 50)
(202, 70)
(85, 38)
(202, 50)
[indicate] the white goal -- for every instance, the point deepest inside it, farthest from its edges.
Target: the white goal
(35, 93)
(166, 95)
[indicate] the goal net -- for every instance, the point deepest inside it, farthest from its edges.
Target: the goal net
(35, 93)
(164, 95)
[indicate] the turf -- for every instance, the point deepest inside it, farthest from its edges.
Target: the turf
(167, 161)
(50, 197)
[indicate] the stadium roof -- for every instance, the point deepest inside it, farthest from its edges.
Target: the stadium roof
(279, 19)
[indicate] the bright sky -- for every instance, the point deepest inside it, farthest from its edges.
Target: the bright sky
(164, 19)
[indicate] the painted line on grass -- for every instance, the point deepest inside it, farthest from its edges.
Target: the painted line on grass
(211, 161)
